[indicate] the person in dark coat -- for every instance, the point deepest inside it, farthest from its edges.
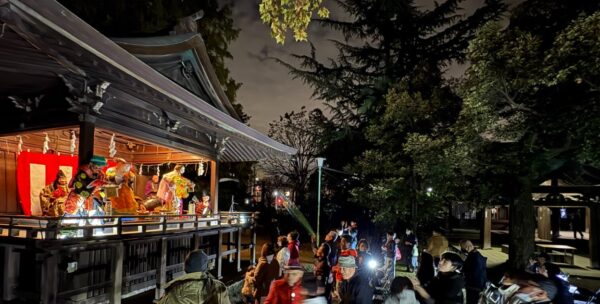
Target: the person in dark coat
(552, 272)
(426, 270)
(447, 286)
(475, 271)
(355, 288)
(409, 240)
(322, 272)
(266, 271)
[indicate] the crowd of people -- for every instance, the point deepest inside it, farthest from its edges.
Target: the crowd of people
(345, 271)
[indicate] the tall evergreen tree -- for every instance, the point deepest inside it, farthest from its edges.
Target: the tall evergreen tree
(398, 50)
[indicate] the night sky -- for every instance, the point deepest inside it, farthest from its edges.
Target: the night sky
(268, 90)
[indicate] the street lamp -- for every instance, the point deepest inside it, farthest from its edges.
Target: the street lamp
(320, 161)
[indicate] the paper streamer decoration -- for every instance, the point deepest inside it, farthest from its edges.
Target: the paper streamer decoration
(72, 146)
(112, 147)
(20, 145)
(46, 146)
(200, 169)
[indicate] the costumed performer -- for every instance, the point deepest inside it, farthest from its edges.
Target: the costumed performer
(121, 175)
(86, 185)
(151, 187)
(203, 208)
(54, 195)
(173, 188)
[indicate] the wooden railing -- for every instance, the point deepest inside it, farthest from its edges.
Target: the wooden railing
(95, 227)
(104, 259)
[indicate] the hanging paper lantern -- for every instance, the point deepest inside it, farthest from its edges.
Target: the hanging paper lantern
(73, 139)
(140, 170)
(20, 145)
(112, 147)
(46, 146)
(158, 170)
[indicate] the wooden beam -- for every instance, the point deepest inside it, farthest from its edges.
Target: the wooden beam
(87, 128)
(49, 288)
(239, 250)
(591, 189)
(117, 272)
(594, 242)
(486, 242)
(214, 185)
(161, 269)
(219, 255)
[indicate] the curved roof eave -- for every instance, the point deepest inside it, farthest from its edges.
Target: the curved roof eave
(68, 25)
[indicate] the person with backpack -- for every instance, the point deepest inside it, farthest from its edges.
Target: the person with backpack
(475, 271)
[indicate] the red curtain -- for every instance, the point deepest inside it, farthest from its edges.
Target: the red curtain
(29, 168)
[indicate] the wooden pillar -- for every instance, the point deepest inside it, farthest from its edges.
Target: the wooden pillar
(117, 272)
(161, 269)
(253, 250)
(11, 273)
(229, 243)
(594, 236)
(543, 223)
(214, 185)
(219, 255)
(239, 250)
(197, 242)
(486, 228)
(587, 219)
(49, 287)
(87, 128)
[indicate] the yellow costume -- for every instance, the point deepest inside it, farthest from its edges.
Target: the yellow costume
(124, 202)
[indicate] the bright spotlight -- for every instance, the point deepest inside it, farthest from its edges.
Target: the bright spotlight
(372, 264)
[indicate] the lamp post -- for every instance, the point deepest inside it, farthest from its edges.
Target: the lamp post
(320, 161)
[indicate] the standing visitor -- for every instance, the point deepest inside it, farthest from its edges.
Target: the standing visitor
(426, 270)
(415, 257)
(364, 256)
(322, 272)
(248, 288)
(578, 224)
(331, 241)
(353, 232)
(283, 255)
(287, 290)
(345, 251)
(266, 271)
(437, 245)
(196, 285)
(447, 286)
(294, 247)
(389, 249)
(475, 271)
(408, 243)
(355, 288)
(401, 292)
